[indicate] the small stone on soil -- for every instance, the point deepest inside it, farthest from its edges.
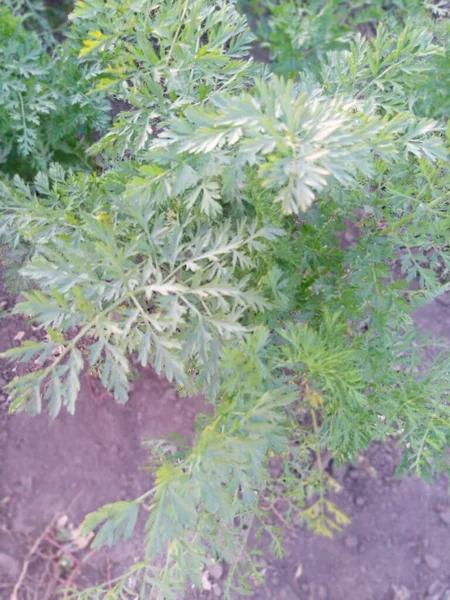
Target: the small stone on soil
(206, 583)
(8, 565)
(432, 562)
(444, 516)
(216, 571)
(360, 501)
(399, 592)
(351, 542)
(298, 572)
(19, 336)
(437, 591)
(217, 590)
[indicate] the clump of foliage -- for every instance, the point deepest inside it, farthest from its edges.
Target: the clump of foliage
(46, 104)
(208, 246)
(49, 18)
(299, 34)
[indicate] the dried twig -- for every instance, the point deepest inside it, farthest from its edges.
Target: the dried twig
(75, 571)
(108, 569)
(34, 549)
(29, 556)
(62, 549)
(50, 581)
(276, 512)
(98, 397)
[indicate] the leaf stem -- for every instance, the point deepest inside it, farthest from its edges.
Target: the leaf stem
(235, 564)
(175, 37)
(407, 218)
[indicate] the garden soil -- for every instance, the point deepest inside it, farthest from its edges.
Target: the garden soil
(396, 548)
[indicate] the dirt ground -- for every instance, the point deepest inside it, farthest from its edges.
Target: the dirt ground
(397, 547)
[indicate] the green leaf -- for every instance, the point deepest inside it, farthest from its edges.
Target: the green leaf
(54, 395)
(118, 522)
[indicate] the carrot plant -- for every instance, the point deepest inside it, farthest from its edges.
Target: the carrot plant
(206, 244)
(47, 105)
